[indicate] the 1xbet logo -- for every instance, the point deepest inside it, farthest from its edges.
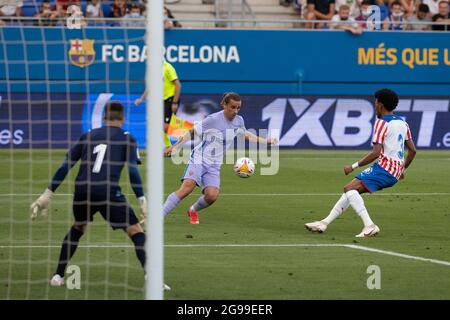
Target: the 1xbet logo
(351, 123)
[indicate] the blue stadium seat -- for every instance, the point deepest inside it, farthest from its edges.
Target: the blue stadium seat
(29, 11)
(107, 9)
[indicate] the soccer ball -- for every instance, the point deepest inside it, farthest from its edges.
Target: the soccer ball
(244, 167)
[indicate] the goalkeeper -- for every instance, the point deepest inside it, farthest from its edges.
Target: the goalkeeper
(103, 153)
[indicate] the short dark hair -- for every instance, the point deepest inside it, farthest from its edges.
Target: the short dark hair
(366, 2)
(228, 96)
(423, 7)
(388, 98)
(396, 3)
(114, 111)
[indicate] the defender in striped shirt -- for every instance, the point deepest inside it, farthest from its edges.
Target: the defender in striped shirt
(390, 136)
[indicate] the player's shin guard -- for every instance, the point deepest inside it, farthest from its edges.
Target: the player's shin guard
(139, 244)
(341, 205)
(170, 204)
(357, 203)
(200, 204)
(68, 248)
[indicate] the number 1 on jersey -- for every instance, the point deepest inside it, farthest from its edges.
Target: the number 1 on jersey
(101, 150)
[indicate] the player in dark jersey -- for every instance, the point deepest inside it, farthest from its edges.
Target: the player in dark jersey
(102, 153)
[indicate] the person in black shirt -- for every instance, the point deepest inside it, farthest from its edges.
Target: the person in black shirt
(102, 152)
(319, 10)
(442, 16)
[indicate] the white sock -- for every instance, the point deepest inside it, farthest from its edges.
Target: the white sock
(357, 203)
(340, 206)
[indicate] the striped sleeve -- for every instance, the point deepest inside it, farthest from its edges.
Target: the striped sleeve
(379, 131)
(408, 133)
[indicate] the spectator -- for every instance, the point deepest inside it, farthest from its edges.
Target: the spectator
(62, 5)
(354, 5)
(134, 18)
(384, 9)
(46, 16)
(395, 20)
(61, 9)
(366, 12)
(442, 16)
(349, 23)
(319, 10)
(11, 9)
(169, 20)
(433, 5)
(422, 15)
(408, 7)
(119, 9)
(94, 10)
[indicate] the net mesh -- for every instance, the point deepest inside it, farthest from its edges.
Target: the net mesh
(52, 89)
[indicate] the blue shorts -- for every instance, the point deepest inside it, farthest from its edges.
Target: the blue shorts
(115, 210)
(376, 178)
(203, 175)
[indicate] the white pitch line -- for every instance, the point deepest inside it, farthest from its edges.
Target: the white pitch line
(298, 245)
(406, 194)
(396, 254)
(95, 246)
(347, 158)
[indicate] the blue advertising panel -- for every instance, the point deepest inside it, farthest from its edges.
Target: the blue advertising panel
(214, 61)
(40, 120)
(303, 121)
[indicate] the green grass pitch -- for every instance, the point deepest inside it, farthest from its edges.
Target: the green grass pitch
(282, 260)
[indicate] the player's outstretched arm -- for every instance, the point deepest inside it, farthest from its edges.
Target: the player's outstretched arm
(136, 185)
(139, 100)
(41, 203)
(254, 138)
(368, 158)
(40, 206)
(185, 138)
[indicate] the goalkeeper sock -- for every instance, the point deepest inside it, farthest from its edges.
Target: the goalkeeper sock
(200, 204)
(68, 248)
(357, 203)
(139, 244)
(340, 206)
(170, 204)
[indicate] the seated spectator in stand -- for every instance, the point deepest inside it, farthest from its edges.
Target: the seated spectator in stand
(94, 10)
(395, 21)
(11, 9)
(134, 18)
(319, 10)
(119, 9)
(422, 15)
(433, 5)
(348, 24)
(408, 7)
(354, 5)
(442, 16)
(366, 12)
(46, 16)
(384, 8)
(169, 20)
(61, 9)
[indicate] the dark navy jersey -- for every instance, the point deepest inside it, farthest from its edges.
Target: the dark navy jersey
(102, 152)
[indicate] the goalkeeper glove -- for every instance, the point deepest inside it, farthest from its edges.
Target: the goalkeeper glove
(143, 208)
(41, 204)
